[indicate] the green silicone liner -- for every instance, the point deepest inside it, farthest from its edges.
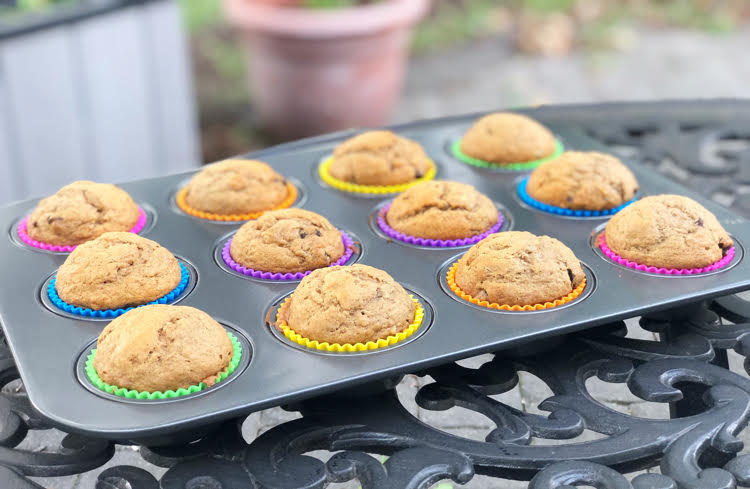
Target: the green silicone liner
(526, 165)
(170, 394)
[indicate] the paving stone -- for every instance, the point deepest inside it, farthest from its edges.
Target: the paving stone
(251, 426)
(406, 390)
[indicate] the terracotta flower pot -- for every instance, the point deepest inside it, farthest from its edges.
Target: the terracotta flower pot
(316, 71)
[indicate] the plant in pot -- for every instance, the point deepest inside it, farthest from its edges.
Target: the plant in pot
(316, 66)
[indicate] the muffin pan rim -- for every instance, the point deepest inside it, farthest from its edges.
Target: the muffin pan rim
(279, 374)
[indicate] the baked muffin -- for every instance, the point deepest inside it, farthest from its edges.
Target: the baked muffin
(669, 231)
(353, 304)
(81, 211)
(379, 158)
(161, 347)
(442, 210)
(505, 138)
(518, 268)
(583, 180)
(236, 187)
(117, 270)
(287, 241)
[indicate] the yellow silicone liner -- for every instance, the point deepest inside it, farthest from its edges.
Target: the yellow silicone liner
(326, 176)
(182, 204)
(451, 279)
(349, 347)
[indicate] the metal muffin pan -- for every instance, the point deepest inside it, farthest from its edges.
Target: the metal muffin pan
(47, 346)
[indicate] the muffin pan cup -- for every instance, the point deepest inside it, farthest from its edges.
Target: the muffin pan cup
(226, 255)
(49, 346)
(519, 167)
(334, 182)
(436, 243)
(23, 235)
(93, 377)
(562, 211)
(601, 242)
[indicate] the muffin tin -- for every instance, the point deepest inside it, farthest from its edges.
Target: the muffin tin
(50, 347)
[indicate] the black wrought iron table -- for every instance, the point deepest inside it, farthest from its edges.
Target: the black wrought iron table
(706, 145)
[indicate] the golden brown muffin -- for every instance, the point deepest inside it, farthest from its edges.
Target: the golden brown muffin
(287, 241)
(583, 180)
(669, 231)
(519, 268)
(379, 158)
(161, 347)
(117, 270)
(442, 210)
(353, 304)
(505, 137)
(236, 187)
(81, 211)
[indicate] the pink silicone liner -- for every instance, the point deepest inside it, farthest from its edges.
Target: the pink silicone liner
(226, 255)
(23, 234)
(435, 243)
(602, 242)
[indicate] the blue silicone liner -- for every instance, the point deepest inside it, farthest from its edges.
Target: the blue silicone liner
(113, 313)
(561, 211)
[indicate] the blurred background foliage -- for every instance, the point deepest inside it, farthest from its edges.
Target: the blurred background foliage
(537, 27)
(533, 27)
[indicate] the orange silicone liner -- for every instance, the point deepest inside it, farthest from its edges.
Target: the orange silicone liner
(182, 204)
(451, 279)
(291, 335)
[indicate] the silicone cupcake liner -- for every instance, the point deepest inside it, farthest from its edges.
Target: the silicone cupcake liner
(602, 243)
(185, 207)
(170, 394)
(561, 211)
(326, 176)
(451, 279)
(291, 335)
(24, 235)
(436, 243)
(522, 166)
(113, 313)
(226, 255)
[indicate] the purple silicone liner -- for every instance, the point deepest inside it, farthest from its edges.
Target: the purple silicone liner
(435, 243)
(664, 271)
(24, 236)
(227, 257)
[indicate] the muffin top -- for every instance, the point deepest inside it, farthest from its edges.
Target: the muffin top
(81, 211)
(161, 347)
(236, 187)
(379, 158)
(519, 268)
(669, 231)
(442, 210)
(287, 241)
(505, 138)
(583, 180)
(352, 304)
(117, 270)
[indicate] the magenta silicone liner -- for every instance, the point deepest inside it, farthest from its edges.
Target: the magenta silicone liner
(664, 271)
(435, 243)
(227, 257)
(24, 236)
